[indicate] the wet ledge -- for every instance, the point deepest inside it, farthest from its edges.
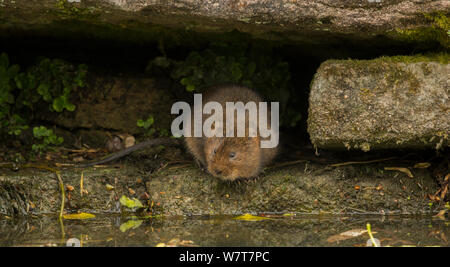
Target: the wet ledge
(308, 187)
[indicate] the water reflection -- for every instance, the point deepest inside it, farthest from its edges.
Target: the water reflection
(295, 230)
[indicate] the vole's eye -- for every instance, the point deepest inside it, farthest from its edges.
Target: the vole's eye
(215, 150)
(232, 155)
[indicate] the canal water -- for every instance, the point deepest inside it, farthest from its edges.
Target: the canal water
(273, 230)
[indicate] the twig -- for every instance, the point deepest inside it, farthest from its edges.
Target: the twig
(89, 150)
(360, 162)
(363, 211)
(81, 184)
(63, 164)
(179, 166)
(287, 163)
(404, 170)
(162, 167)
(176, 166)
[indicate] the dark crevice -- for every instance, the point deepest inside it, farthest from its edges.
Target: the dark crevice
(131, 58)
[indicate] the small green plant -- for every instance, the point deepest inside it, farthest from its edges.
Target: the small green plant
(147, 123)
(55, 79)
(48, 84)
(149, 127)
(47, 137)
(256, 67)
(16, 125)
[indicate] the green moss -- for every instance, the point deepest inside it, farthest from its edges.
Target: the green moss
(440, 20)
(442, 58)
(438, 31)
(64, 9)
(392, 74)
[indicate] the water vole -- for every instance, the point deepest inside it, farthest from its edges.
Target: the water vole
(228, 158)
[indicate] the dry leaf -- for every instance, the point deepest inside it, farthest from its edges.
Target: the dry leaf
(132, 192)
(176, 242)
(441, 214)
(78, 216)
(70, 188)
(249, 217)
(346, 235)
(63, 164)
(422, 165)
(444, 191)
(130, 203)
(78, 159)
(401, 169)
(434, 198)
(130, 224)
(109, 187)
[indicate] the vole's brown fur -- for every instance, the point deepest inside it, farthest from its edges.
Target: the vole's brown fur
(215, 153)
